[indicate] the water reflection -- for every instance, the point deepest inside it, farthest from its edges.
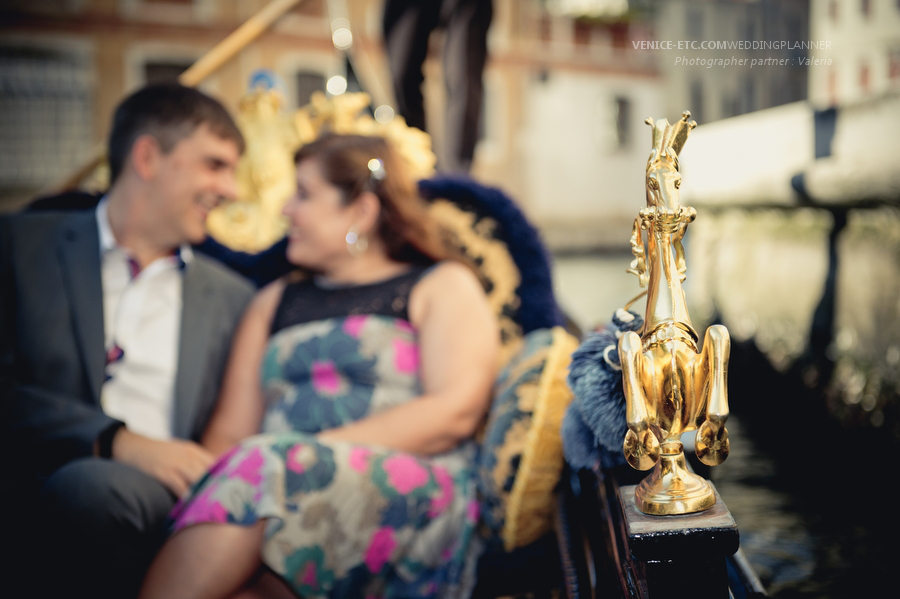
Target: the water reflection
(809, 535)
(813, 502)
(772, 535)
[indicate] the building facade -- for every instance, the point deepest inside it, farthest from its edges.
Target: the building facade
(864, 61)
(561, 130)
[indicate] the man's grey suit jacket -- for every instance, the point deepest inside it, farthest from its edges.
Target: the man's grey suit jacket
(52, 358)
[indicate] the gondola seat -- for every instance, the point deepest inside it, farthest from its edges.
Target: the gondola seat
(521, 459)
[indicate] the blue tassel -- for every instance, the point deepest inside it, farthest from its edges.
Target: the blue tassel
(579, 443)
(595, 378)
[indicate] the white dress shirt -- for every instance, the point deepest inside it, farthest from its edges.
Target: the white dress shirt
(141, 323)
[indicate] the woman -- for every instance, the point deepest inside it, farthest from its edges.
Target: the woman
(368, 380)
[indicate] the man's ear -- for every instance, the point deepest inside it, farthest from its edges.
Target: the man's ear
(368, 210)
(145, 155)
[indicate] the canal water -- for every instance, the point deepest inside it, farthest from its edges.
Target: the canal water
(816, 506)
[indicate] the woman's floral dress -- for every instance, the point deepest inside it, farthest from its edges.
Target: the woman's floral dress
(345, 520)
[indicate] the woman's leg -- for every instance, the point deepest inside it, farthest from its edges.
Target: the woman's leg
(267, 586)
(205, 561)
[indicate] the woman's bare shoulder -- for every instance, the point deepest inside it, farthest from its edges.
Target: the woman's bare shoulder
(449, 274)
(447, 284)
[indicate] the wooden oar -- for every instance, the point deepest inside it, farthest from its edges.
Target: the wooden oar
(237, 41)
(205, 66)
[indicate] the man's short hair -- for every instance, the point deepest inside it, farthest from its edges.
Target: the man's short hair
(169, 112)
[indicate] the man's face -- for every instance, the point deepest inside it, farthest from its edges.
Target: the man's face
(191, 180)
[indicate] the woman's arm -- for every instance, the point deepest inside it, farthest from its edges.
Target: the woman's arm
(239, 409)
(458, 345)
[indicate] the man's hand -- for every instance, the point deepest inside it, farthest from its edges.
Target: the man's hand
(176, 463)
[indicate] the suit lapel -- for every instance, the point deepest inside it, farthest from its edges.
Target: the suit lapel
(193, 347)
(79, 253)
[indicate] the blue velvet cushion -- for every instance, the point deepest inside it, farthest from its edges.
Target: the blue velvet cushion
(521, 451)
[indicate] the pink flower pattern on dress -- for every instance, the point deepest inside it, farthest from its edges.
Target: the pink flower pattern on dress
(405, 473)
(250, 467)
(379, 551)
(359, 458)
(310, 575)
(223, 460)
(353, 325)
(440, 502)
(275, 476)
(203, 508)
(406, 356)
(294, 461)
(325, 378)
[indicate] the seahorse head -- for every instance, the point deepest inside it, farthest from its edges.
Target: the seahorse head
(663, 176)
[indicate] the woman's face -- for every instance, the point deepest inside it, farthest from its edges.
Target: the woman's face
(319, 220)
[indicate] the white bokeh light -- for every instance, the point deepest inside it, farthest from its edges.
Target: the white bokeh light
(336, 85)
(384, 114)
(342, 38)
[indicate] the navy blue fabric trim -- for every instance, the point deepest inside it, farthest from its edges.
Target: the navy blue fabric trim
(261, 268)
(538, 308)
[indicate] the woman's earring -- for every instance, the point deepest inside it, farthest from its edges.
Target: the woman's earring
(356, 244)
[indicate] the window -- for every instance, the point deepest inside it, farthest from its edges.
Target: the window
(833, 10)
(311, 8)
(865, 6)
(696, 106)
(623, 122)
(864, 78)
(749, 30)
(894, 65)
(159, 71)
(694, 24)
(581, 32)
(621, 36)
(545, 27)
(307, 83)
(46, 115)
(749, 94)
(166, 11)
(832, 87)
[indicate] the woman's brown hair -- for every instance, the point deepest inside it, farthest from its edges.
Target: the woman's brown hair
(408, 232)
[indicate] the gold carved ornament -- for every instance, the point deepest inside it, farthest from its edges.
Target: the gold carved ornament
(265, 174)
(671, 386)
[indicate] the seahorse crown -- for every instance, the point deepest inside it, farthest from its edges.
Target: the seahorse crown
(669, 139)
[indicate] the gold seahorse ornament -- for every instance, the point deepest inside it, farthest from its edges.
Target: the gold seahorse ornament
(671, 386)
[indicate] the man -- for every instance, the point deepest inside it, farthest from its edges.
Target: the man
(114, 339)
